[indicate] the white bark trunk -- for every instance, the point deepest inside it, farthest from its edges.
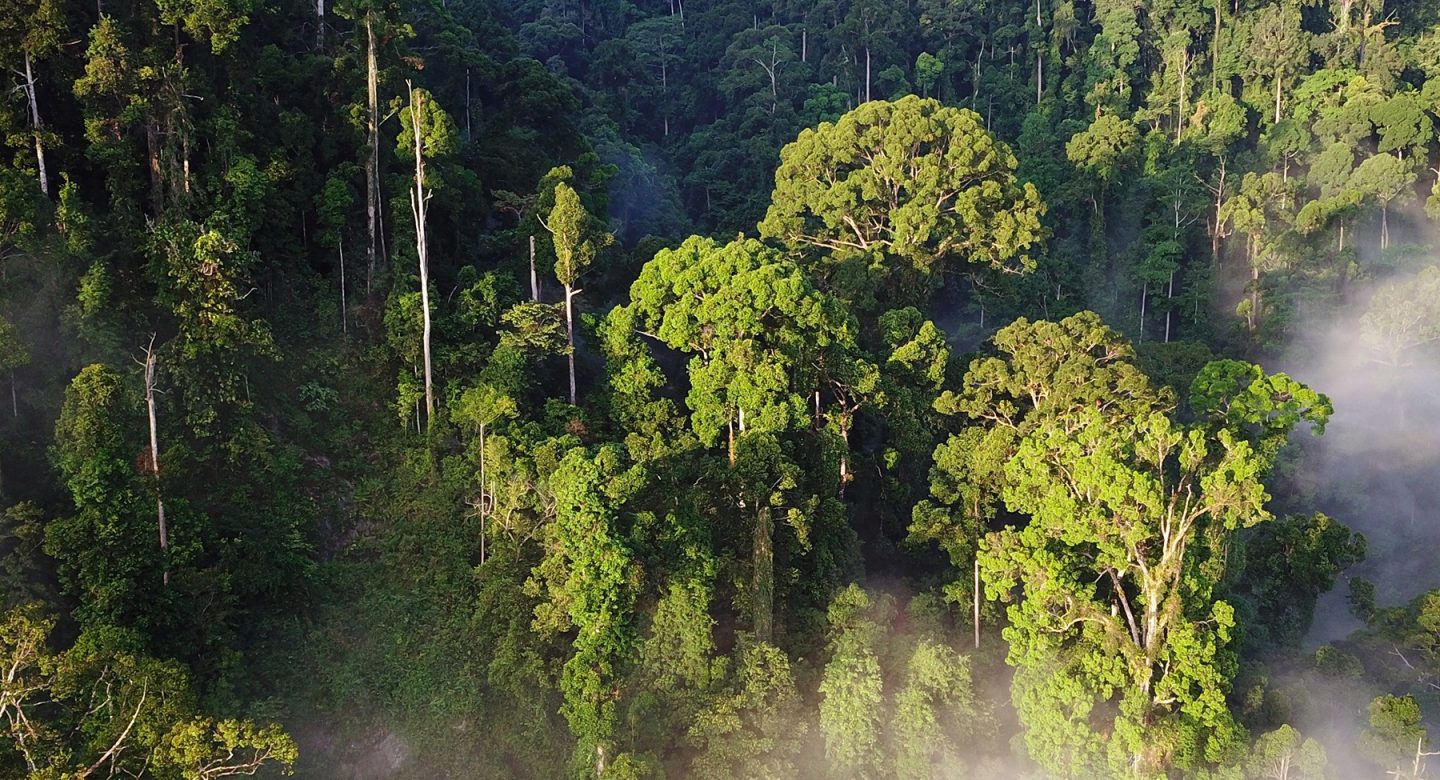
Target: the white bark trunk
(36, 125)
(155, 457)
(419, 199)
(372, 161)
(534, 279)
(344, 306)
(570, 294)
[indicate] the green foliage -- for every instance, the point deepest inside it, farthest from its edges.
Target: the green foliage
(850, 712)
(1113, 594)
(757, 727)
(904, 187)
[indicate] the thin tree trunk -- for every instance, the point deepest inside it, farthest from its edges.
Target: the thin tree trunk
(1144, 299)
(534, 279)
(1384, 226)
(975, 594)
(763, 583)
(320, 24)
(570, 294)
(36, 125)
(372, 160)
(152, 145)
(1215, 48)
(1254, 317)
(419, 199)
(344, 306)
(155, 457)
(867, 73)
(1169, 296)
(14, 397)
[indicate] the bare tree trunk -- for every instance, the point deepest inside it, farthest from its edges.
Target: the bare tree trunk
(155, 456)
(372, 160)
(570, 294)
(344, 307)
(1169, 296)
(976, 600)
(1144, 298)
(320, 24)
(534, 280)
(36, 125)
(419, 200)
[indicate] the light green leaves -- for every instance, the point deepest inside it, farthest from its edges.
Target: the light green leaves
(908, 185)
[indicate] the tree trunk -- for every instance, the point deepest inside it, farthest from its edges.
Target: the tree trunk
(731, 443)
(344, 306)
(372, 160)
(763, 583)
(570, 294)
(419, 199)
(1215, 49)
(534, 280)
(36, 125)
(976, 600)
(152, 146)
(1144, 299)
(320, 24)
(867, 73)
(155, 457)
(1384, 226)
(1254, 317)
(1277, 98)
(1169, 296)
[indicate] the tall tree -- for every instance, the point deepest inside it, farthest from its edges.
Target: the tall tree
(578, 242)
(1112, 579)
(426, 133)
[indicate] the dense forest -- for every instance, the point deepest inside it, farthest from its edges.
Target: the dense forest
(641, 389)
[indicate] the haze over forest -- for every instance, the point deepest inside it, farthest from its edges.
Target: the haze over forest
(410, 389)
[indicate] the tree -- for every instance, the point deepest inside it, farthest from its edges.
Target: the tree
(852, 691)
(1383, 178)
(102, 708)
(479, 408)
(103, 558)
(1284, 754)
(1278, 49)
(1395, 732)
(906, 187)
(589, 583)
(1403, 317)
(426, 132)
(937, 700)
(756, 727)
(1112, 579)
(12, 356)
(33, 30)
(752, 322)
(577, 243)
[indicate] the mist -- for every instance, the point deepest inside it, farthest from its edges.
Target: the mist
(1374, 468)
